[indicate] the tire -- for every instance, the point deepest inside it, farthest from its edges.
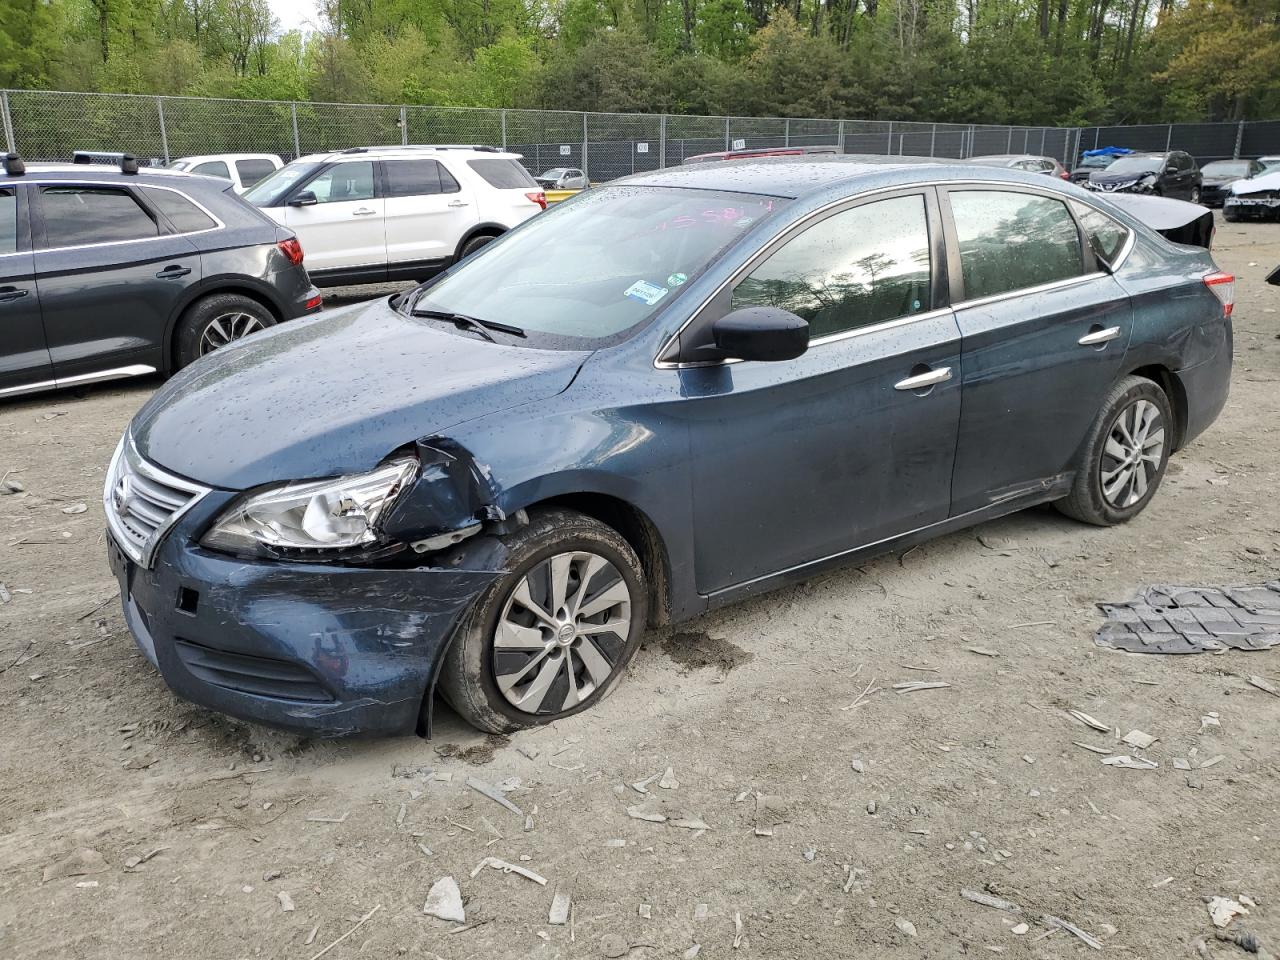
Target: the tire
(523, 682)
(1195, 194)
(474, 244)
(1230, 215)
(1106, 493)
(216, 320)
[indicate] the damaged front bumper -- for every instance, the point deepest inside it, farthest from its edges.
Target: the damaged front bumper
(321, 649)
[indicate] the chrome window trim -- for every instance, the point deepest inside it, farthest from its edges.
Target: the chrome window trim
(145, 555)
(116, 373)
(218, 223)
(1027, 291)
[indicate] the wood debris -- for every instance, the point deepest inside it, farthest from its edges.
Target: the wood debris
(558, 915)
(987, 900)
(1138, 739)
(316, 818)
(499, 864)
(1071, 928)
(647, 811)
(1105, 751)
(1262, 683)
(1130, 763)
(983, 651)
(286, 902)
(494, 794)
(669, 781)
(911, 686)
(134, 862)
(1089, 721)
(359, 923)
(1222, 910)
(737, 929)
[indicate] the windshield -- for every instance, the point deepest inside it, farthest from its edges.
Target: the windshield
(555, 173)
(269, 192)
(593, 268)
(1097, 163)
(1226, 168)
(1137, 165)
(178, 165)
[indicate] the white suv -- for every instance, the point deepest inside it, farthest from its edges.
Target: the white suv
(374, 214)
(242, 169)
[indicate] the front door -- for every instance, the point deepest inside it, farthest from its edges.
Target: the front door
(343, 230)
(24, 355)
(852, 442)
(1045, 334)
(110, 277)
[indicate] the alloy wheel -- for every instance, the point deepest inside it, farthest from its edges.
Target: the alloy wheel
(228, 328)
(561, 632)
(1133, 454)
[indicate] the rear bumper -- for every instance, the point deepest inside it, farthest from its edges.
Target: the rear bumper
(1246, 206)
(319, 649)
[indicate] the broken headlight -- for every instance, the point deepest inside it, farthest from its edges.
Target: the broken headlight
(327, 515)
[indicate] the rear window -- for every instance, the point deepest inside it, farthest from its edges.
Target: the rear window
(503, 174)
(78, 215)
(253, 170)
(417, 178)
(185, 216)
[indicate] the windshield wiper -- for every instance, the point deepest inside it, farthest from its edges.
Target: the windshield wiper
(461, 320)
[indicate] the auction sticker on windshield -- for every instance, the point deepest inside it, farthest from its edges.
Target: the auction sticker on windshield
(646, 292)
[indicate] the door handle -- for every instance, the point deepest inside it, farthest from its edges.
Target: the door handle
(1095, 337)
(363, 212)
(459, 203)
(9, 294)
(924, 380)
(173, 272)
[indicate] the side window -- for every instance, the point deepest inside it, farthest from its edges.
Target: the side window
(853, 269)
(75, 215)
(212, 168)
(1106, 236)
(416, 178)
(1012, 241)
(185, 216)
(8, 220)
(344, 181)
(251, 171)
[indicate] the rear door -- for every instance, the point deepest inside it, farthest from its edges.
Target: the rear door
(111, 273)
(428, 212)
(344, 229)
(24, 354)
(1045, 333)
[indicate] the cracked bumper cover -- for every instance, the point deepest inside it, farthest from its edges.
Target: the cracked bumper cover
(316, 648)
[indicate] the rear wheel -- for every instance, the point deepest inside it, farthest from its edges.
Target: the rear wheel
(216, 321)
(475, 243)
(1123, 459)
(554, 635)
(1195, 194)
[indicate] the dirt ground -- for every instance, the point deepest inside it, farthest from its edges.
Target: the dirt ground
(975, 786)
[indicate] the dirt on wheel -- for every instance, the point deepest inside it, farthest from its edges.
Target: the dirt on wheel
(814, 806)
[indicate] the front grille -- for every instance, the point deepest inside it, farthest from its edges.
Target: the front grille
(259, 676)
(142, 502)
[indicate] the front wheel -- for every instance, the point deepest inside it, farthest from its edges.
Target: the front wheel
(1123, 459)
(554, 635)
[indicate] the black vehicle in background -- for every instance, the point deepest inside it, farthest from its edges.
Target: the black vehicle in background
(1089, 163)
(1220, 174)
(1173, 174)
(110, 272)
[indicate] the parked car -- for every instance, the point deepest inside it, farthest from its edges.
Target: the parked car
(107, 274)
(1024, 161)
(1257, 198)
(1173, 174)
(242, 169)
(728, 378)
(376, 214)
(1092, 160)
(761, 152)
(1270, 163)
(1220, 174)
(563, 178)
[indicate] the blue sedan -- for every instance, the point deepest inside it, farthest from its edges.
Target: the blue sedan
(666, 394)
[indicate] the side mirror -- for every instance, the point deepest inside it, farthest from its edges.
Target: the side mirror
(304, 199)
(761, 333)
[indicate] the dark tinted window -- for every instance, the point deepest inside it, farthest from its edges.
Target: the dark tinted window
(76, 215)
(8, 221)
(856, 268)
(1106, 236)
(417, 178)
(212, 168)
(1011, 241)
(185, 216)
(251, 171)
(343, 182)
(503, 174)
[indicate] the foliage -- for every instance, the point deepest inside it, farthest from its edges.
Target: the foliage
(1063, 62)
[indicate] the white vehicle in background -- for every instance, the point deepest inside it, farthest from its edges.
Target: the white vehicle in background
(242, 169)
(377, 214)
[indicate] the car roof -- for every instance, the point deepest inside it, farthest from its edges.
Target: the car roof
(403, 152)
(1010, 157)
(200, 157)
(100, 172)
(815, 174)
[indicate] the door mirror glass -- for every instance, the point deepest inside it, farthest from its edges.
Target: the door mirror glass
(761, 333)
(304, 199)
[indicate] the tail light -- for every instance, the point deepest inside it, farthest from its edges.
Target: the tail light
(1222, 286)
(539, 198)
(292, 249)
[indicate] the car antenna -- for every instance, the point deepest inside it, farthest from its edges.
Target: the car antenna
(128, 163)
(13, 165)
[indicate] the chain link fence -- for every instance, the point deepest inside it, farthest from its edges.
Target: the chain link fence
(49, 125)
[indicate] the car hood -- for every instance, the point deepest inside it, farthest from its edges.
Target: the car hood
(335, 394)
(1264, 181)
(1105, 176)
